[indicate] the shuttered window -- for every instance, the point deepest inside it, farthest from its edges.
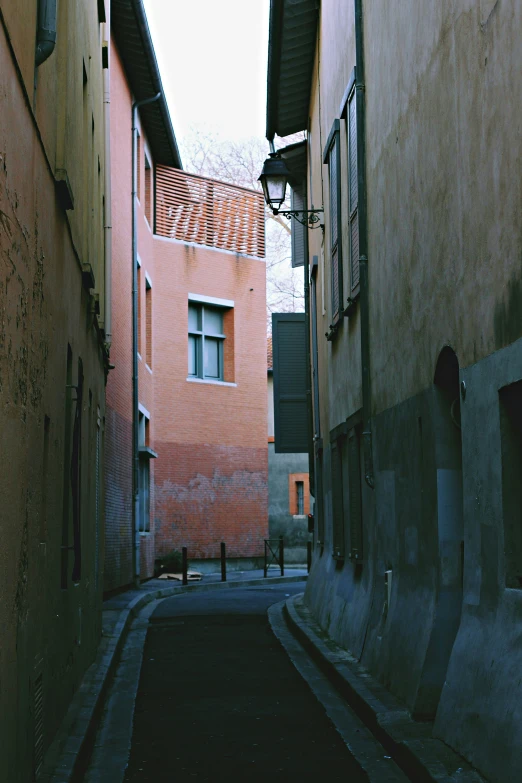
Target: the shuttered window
(353, 191)
(289, 362)
(354, 496)
(298, 231)
(332, 157)
(337, 499)
(318, 508)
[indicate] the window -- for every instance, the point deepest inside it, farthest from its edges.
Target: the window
(337, 499)
(332, 157)
(353, 192)
(140, 320)
(299, 485)
(205, 341)
(354, 498)
(148, 191)
(143, 475)
(299, 493)
(511, 450)
(148, 322)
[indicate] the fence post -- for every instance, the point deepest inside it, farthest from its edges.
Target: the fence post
(264, 565)
(309, 555)
(282, 555)
(184, 579)
(223, 562)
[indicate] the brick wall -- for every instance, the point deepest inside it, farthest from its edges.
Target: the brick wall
(206, 494)
(212, 467)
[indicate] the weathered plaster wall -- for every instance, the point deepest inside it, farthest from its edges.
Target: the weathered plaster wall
(48, 630)
(480, 708)
(339, 360)
(443, 142)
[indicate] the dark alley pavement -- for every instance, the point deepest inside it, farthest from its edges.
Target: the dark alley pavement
(219, 698)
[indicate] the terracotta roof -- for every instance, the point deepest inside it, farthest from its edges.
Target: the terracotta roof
(269, 361)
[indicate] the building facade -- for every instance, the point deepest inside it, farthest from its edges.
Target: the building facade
(416, 352)
(209, 356)
(53, 363)
(186, 442)
(141, 137)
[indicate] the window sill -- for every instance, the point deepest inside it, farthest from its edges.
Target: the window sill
(210, 381)
(148, 368)
(334, 328)
(351, 305)
(146, 452)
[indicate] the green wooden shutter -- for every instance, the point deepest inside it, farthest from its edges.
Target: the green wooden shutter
(353, 192)
(355, 502)
(289, 362)
(335, 254)
(337, 499)
(298, 230)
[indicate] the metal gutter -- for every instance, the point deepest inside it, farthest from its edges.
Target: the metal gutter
(46, 30)
(274, 55)
(157, 84)
(107, 228)
(363, 246)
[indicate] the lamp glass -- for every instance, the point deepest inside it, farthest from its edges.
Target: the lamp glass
(275, 191)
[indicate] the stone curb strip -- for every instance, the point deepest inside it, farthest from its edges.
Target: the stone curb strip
(69, 753)
(410, 744)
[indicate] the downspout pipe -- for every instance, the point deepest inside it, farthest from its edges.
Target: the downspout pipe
(135, 399)
(46, 30)
(363, 247)
(107, 228)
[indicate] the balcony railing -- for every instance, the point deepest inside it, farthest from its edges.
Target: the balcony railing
(208, 212)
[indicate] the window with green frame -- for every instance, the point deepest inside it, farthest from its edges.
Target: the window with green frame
(353, 191)
(205, 341)
(332, 157)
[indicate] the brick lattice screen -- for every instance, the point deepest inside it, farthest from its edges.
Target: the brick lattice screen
(208, 212)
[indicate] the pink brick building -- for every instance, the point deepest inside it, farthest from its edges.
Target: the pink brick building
(201, 344)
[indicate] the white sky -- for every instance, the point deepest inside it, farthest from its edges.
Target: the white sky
(212, 56)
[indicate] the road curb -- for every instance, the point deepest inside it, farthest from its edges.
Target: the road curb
(411, 745)
(68, 754)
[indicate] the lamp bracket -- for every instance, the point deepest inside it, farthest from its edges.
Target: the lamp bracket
(306, 217)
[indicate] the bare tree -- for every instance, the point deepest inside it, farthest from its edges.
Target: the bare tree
(240, 163)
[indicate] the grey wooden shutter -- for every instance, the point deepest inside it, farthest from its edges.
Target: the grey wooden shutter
(355, 504)
(319, 498)
(334, 226)
(298, 231)
(289, 362)
(337, 499)
(354, 192)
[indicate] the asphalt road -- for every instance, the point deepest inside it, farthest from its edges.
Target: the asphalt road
(220, 700)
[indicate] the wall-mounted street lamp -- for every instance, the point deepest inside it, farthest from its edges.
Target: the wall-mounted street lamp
(274, 179)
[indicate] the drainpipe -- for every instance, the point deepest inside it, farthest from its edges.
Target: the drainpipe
(46, 30)
(107, 228)
(363, 247)
(135, 400)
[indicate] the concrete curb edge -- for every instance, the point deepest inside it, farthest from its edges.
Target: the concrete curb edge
(72, 745)
(423, 759)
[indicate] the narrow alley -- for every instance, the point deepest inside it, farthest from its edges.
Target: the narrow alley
(219, 698)
(260, 391)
